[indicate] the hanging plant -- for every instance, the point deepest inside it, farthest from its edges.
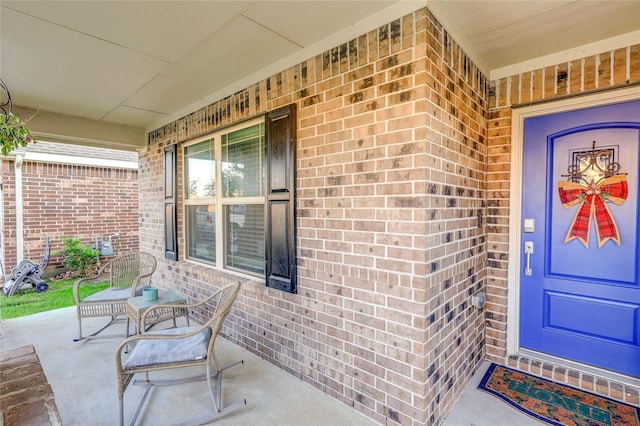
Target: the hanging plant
(13, 133)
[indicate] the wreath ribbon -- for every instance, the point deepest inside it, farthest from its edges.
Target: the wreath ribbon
(592, 199)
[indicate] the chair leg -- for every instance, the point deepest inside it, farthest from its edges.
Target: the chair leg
(215, 394)
(123, 382)
(79, 329)
(141, 403)
(95, 333)
(121, 402)
(214, 383)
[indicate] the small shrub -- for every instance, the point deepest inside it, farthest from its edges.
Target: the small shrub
(77, 255)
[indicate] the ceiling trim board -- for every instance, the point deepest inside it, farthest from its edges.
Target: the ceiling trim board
(42, 157)
(95, 143)
(55, 127)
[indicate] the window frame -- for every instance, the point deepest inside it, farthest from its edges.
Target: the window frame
(219, 201)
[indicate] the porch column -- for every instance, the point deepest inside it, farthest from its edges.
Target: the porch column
(19, 223)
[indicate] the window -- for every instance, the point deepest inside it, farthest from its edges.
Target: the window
(225, 197)
(239, 199)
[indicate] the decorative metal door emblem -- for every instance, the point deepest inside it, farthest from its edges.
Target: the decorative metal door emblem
(593, 182)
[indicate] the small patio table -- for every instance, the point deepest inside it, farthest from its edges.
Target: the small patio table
(136, 307)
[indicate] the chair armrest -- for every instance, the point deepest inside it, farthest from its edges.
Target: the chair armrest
(144, 279)
(91, 280)
(173, 306)
(141, 281)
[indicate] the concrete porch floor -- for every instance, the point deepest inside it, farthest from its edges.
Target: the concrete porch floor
(82, 376)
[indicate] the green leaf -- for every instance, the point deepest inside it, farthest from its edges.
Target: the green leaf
(13, 133)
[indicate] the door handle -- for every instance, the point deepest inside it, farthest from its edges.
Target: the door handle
(528, 251)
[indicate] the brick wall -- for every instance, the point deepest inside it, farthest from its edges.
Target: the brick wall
(391, 174)
(605, 71)
(68, 201)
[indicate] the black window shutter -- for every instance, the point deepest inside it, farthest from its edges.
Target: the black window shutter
(280, 238)
(170, 203)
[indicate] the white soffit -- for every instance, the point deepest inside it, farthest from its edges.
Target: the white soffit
(48, 52)
(103, 60)
(329, 17)
(498, 34)
(165, 30)
(576, 53)
(132, 116)
(217, 61)
(371, 22)
(546, 32)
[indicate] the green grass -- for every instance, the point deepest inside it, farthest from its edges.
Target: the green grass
(27, 302)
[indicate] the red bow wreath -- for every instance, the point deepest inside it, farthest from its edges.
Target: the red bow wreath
(592, 204)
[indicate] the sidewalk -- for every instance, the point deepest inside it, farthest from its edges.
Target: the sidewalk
(25, 394)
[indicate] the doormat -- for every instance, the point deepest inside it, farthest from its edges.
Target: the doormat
(554, 403)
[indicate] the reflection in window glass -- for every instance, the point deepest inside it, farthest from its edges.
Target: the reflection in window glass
(244, 224)
(201, 221)
(242, 162)
(200, 170)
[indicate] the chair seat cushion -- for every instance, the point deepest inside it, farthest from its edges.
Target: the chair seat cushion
(168, 351)
(112, 294)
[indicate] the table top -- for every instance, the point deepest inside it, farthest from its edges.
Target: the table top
(164, 296)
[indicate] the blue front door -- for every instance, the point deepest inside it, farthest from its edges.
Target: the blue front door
(580, 274)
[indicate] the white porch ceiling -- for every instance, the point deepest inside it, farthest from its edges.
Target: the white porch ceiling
(143, 63)
(503, 33)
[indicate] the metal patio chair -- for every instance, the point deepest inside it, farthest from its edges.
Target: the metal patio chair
(179, 348)
(126, 274)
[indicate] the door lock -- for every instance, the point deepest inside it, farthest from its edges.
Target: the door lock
(528, 251)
